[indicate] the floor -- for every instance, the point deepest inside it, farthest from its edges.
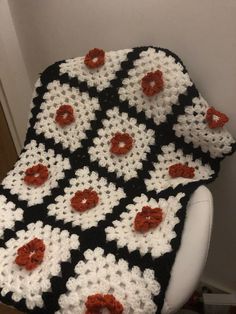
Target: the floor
(8, 153)
(6, 310)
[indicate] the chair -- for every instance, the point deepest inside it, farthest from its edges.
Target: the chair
(192, 255)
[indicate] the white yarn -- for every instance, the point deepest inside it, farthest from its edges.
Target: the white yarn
(128, 164)
(34, 154)
(155, 241)
(194, 128)
(31, 284)
(99, 77)
(175, 83)
(9, 214)
(99, 273)
(84, 108)
(109, 197)
(160, 178)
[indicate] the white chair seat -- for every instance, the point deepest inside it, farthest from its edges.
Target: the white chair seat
(192, 255)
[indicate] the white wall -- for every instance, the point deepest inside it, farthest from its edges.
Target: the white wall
(202, 33)
(15, 87)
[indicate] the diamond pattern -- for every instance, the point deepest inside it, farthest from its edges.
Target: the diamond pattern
(30, 285)
(83, 106)
(109, 197)
(35, 153)
(134, 289)
(99, 77)
(128, 164)
(9, 214)
(194, 128)
(160, 178)
(156, 241)
(175, 83)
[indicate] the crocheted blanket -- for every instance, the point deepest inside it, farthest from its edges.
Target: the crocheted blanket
(92, 213)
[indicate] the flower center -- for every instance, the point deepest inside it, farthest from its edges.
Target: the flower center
(84, 201)
(105, 311)
(65, 115)
(215, 117)
(122, 144)
(152, 83)
(31, 253)
(95, 59)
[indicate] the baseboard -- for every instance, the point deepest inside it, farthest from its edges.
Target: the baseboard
(215, 286)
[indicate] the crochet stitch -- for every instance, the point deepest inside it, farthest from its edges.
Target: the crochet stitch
(31, 254)
(147, 219)
(91, 215)
(84, 200)
(215, 118)
(65, 115)
(95, 58)
(36, 175)
(152, 83)
(180, 170)
(98, 302)
(121, 143)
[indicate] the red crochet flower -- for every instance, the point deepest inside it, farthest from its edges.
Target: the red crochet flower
(97, 302)
(94, 58)
(65, 115)
(181, 170)
(121, 143)
(36, 175)
(31, 254)
(152, 83)
(216, 119)
(148, 218)
(84, 200)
